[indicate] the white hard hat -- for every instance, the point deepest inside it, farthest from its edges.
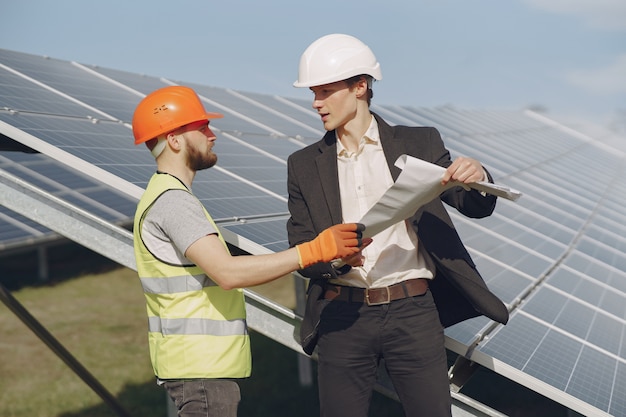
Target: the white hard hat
(334, 58)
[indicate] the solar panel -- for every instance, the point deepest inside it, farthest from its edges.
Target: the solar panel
(62, 182)
(556, 257)
(77, 84)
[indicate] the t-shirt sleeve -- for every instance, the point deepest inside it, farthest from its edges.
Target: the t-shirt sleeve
(178, 217)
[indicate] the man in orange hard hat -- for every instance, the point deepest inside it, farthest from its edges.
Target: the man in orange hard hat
(391, 301)
(198, 338)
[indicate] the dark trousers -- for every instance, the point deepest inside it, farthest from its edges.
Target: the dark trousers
(354, 337)
(204, 397)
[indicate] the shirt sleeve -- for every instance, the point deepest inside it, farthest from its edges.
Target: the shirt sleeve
(177, 217)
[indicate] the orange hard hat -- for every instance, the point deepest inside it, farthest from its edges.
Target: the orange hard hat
(167, 109)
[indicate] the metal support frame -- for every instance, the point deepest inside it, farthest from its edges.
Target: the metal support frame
(80, 226)
(461, 372)
(44, 335)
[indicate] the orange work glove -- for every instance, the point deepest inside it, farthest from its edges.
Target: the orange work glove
(337, 241)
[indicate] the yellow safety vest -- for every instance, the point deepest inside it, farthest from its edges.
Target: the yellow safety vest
(196, 328)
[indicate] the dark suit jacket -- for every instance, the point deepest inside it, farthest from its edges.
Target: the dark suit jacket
(314, 204)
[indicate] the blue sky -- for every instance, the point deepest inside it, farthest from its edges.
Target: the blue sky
(566, 56)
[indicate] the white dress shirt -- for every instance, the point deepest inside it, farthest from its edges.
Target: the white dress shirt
(394, 255)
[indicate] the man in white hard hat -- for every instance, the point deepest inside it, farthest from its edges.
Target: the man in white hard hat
(392, 300)
(198, 337)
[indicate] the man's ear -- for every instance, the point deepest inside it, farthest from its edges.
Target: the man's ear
(361, 87)
(173, 140)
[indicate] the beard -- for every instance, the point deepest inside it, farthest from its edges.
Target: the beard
(198, 161)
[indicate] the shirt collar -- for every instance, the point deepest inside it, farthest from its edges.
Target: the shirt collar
(370, 137)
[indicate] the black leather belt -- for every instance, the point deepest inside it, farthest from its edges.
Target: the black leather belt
(377, 296)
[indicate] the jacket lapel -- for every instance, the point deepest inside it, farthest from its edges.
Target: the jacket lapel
(328, 175)
(391, 147)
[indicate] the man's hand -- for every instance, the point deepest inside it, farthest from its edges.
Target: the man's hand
(357, 259)
(464, 170)
(338, 241)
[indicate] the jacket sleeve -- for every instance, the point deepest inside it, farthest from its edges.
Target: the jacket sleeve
(469, 203)
(300, 227)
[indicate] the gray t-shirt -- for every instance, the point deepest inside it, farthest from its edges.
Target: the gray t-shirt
(172, 224)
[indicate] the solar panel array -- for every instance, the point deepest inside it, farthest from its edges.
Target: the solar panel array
(556, 257)
(18, 231)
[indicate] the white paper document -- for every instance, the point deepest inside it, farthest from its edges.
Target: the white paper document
(418, 184)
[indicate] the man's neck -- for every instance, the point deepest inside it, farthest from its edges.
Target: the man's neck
(350, 134)
(182, 173)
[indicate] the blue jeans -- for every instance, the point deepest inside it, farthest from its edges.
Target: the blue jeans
(406, 333)
(204, 397)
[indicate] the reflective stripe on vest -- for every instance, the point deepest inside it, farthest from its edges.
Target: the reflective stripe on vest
(196, 328)
(172, 285)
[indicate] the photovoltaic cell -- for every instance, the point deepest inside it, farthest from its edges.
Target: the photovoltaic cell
(294, 116)
(76, 83)
(141, 83)
(19, 94)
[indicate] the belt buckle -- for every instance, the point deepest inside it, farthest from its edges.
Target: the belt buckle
(371, 303)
